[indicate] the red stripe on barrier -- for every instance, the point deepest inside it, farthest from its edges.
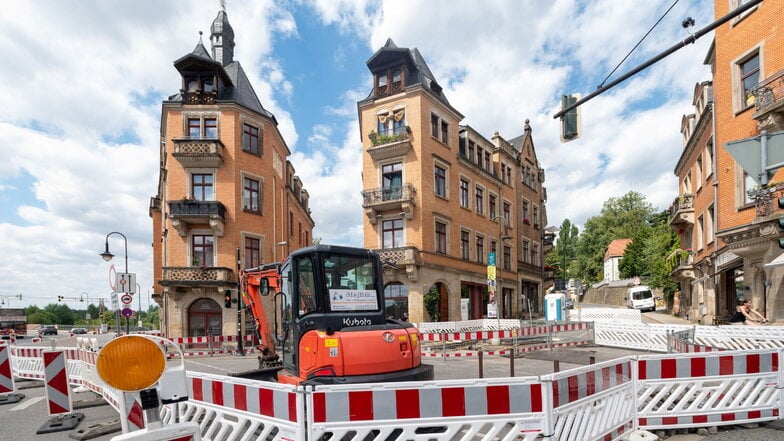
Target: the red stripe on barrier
(266, 402)
(319, 408)
(452, 401)
(726, 365)
(556, 394)
(407, 403)
(697, 367)
(574, 388)
(217, 392)
(728, 417)
(670, 420)
(136, 415)
(197, 392)
(774, 362)
(292, 407)
(753, 363)
(240, 397)
(497, 399)
(668, 368)
(697, 419)
(536, 397)
(642, 370)
(360, 405)
(754, 414)
(590, 379)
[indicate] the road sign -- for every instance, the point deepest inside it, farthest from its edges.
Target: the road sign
(126, 283)
(126, 299)
(127, 312)
(754, 159)
(491, 259)
(115, 303)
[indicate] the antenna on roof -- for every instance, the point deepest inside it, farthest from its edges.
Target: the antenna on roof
(200, 41)
(223, 5)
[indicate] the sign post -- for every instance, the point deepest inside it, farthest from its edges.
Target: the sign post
(759, 155)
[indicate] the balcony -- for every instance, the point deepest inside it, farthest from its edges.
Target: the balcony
(405, 258)
(768, 99)
(681, 265)
(390, 143)
(195, 276)
(186, 212)
(379, 200)
(682, 211)
(198, 152)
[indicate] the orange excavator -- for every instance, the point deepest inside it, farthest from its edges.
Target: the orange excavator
(320, 319)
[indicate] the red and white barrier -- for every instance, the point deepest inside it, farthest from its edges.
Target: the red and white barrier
(6, 376)
(57, 389)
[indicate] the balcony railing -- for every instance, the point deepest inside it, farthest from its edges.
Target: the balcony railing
(403, 258)
(196, 276)
(682, 210)
(198, 152)
(681, 264)
(378, 200)
(390, 143)
(184, 212)
(769, 91)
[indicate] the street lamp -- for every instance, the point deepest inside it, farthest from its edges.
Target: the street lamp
(107, 256)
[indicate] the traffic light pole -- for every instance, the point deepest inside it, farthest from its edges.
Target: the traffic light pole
(692, 38)
(240, 350)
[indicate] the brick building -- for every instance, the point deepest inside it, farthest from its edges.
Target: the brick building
(728, 220)
(439, 197)
(227, 194)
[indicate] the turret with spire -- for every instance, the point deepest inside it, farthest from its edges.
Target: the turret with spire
(222, 38)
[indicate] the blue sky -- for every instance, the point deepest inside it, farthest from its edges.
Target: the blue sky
(80, 113)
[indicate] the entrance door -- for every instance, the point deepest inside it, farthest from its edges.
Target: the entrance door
(205, 317)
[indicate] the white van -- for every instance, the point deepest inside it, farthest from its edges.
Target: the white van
(640, 297)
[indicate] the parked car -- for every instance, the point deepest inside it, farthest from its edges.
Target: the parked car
(48, 330)
(78, 331)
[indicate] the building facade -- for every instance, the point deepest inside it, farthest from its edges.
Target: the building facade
(228, 198)
(727, 218)
(442, 202)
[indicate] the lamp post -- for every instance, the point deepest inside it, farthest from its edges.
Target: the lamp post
(107, 256)
(240, 349)
(139, 293)
(501, 239)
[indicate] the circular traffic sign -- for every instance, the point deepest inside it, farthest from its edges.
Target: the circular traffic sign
(112, 278)
(127, 312)
(126, 299)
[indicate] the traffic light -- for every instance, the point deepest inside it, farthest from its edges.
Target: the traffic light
(227, 298)
(571, 122)
(781, 222)
(59, 298)
(100, 315)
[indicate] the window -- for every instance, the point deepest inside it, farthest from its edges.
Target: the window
(526, 219)
(392, 233)
(433, 125)
(291, 224)
(480, 203)
(250, 139)
(210, 128)
(480, 249)
(464, 193)
(709, 234)
(700, 231)
(445, 132)
(487, 161)
(506, 213)
(470, 150)
(480, 153)
(202, 128)
(526, 250)
(709, 159)
(699, 172)
(396, 301)
(251, 195)
(392, 124)
(507, 258)
(536, 216)
(440, 238)
(209, 85)
(746, 73)
(202, 187)
(252, 252)
(491, 202)
(396, 76)
(440, 181)
(391, 181)
(382, 80)
(465, 237)
(202, 248)
(535, 254)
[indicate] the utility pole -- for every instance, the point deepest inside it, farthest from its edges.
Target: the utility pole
(240, 349)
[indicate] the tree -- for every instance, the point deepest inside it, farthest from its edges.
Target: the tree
(620, 218)
(565, 249)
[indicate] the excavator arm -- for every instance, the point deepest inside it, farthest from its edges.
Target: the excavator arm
(252, 296)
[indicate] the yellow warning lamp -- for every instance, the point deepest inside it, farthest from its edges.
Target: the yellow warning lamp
(131, 363)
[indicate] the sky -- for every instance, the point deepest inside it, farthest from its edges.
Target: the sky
(84, 80)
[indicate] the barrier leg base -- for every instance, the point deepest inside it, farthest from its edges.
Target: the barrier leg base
(11, 398)
(96, 430)
(60, 423)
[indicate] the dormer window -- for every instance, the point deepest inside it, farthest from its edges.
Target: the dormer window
(192, 84)
(209, 85)
(396, 76)
(382, 80)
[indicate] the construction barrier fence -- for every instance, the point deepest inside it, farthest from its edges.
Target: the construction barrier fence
(603, 401)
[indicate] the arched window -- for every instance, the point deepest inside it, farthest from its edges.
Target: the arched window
(396, 301)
